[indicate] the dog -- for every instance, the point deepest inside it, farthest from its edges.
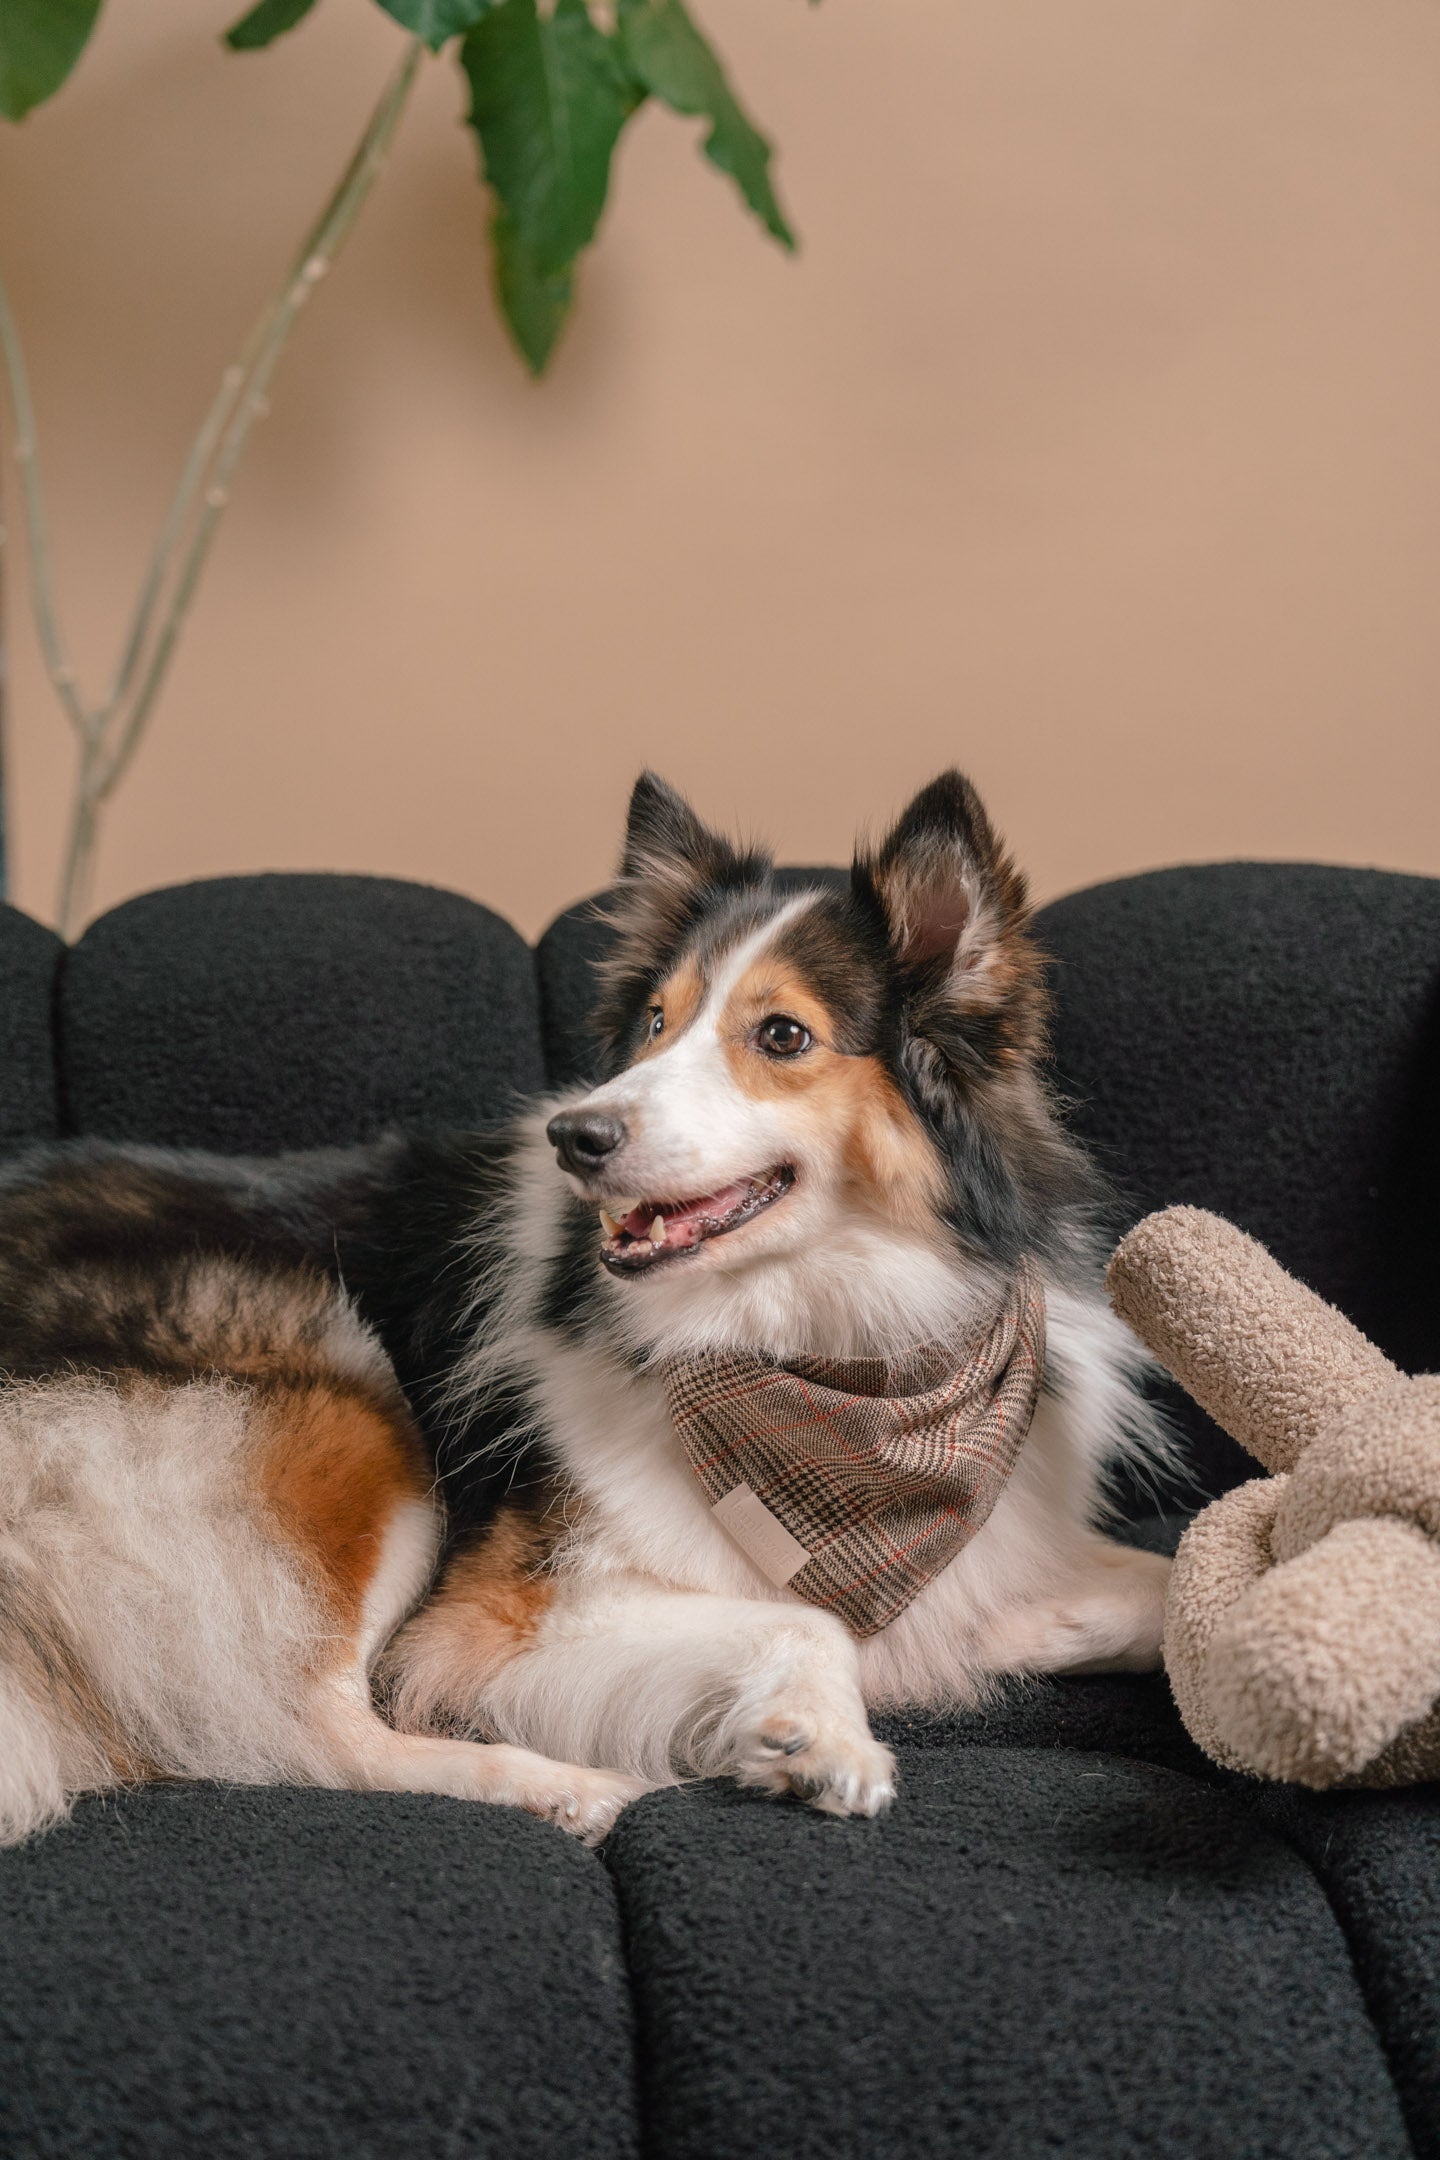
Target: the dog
(822, 1128)
(286, 1445)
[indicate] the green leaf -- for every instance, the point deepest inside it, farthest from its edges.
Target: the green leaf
(40, 41)
(535, 302)
(669, 57)
(548, 99)
(271, 19)
(436, 20)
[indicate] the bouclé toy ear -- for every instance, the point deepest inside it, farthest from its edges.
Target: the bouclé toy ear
(955, 907)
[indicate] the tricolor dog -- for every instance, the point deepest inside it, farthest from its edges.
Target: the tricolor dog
(766, 1382)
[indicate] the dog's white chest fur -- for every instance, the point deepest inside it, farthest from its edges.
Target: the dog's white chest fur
(645, 1517)
(645, 1510)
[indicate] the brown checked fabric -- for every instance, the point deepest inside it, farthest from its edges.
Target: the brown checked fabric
(855, 1480)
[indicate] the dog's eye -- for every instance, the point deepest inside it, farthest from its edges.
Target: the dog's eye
(780, 1036)
(657, 1024)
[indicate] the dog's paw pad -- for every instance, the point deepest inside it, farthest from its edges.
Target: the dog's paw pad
(785, 1735)
(838, 1773)
(845, 1778)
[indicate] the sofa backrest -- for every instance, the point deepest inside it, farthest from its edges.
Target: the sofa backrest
(1263, 1039)
(252, 1014)
(29, 1087)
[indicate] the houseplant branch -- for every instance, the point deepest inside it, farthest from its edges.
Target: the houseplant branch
(261, 350)
(32, 502)
(110, 732)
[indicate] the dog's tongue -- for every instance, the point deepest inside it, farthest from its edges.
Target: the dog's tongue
(683, 1217)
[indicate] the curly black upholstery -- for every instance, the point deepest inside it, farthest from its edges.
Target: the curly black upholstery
(29, 958)
(261, 1013)
(1073, 1936)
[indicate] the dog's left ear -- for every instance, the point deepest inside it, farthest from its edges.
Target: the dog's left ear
(671, 865)
(666, 841)
(956, 909)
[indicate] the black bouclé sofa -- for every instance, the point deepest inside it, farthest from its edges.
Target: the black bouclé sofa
(1072, 1937)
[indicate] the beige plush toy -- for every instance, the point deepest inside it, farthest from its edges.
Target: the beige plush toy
(1302, 1629)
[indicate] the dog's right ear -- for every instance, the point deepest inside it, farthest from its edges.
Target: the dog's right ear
(957, 918)
(671, 866)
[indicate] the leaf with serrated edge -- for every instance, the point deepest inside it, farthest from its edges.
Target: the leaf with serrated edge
(548, 99)
(437, 20)
(265, 23)
(40, 41)
(534, 302)
(669, 57)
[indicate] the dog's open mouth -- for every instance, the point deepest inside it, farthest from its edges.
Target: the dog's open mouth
(650, 1231)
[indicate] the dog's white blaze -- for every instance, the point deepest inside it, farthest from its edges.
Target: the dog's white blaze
(691, 1129)
(742, 956)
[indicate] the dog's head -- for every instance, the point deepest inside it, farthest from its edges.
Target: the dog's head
(786, 1064)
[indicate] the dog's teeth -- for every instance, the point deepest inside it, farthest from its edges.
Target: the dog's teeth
(657, 1231)
(622, 1208)
(608, 1224)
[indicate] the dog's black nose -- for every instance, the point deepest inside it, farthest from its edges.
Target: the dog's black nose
(583, 1138)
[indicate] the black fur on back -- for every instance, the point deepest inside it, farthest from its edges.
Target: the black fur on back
(99, 1242)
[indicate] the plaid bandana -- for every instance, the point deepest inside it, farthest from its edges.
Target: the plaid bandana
(855, 1480)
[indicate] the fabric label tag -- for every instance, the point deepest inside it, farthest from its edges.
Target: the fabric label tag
(744, 1515)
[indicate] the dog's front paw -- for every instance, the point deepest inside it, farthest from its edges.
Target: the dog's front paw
(838, 1771)
(586, 1802)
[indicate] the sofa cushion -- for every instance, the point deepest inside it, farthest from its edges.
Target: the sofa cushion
(1042, 1950)
(1378, 1856)
(263, 1013)
(29, 958)
(283, 1975)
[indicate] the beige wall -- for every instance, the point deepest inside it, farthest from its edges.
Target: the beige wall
(1093, 441)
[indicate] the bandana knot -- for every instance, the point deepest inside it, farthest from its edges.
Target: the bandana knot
(854, 1481)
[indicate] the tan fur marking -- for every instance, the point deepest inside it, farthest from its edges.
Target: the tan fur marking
(332, 1466)
(768, 987)
(850, 1106)
(889, 1159)
(679, 997)
(489, 1601)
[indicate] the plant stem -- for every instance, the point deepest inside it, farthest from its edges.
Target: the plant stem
(202, 450)
(4, 682)
(79, 845)
(32, 498)
(321, 246)
(110, 733)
